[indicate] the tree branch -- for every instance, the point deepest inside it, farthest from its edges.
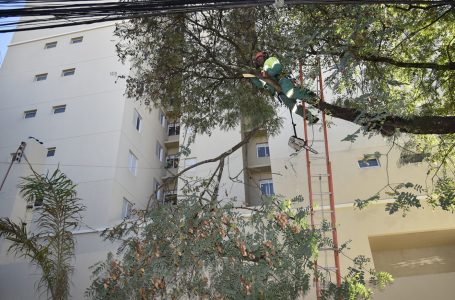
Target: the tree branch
(390, 124)
(403, 64)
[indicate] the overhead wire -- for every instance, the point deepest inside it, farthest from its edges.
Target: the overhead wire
(70, 13)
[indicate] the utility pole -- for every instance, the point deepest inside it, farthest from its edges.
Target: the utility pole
(15, 158)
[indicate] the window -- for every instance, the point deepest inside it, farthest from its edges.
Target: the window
(159, 151)
(132, 163)
(137, 121)
(266, 187)
(173, 129)
(407, 157)
(50, 152)
(262, 150)
(41, 77)
(157, 189)
(38, 202)
(50, 45)
(58, 109)
(68, 72)
(172, 161)
(170, 197)
(369, 163)
(30, 113)
(189, 162)
(77, 40)
(126, 210)
(162, 119)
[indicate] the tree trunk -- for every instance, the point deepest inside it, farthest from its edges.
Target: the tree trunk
(390, 124)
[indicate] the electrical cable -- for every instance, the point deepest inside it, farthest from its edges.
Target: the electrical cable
(70, 13)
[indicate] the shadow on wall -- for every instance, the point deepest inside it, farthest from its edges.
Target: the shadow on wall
(414, 254)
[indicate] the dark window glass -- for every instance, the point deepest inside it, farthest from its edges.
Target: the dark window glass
(263, 151)
(369, 163)
(173, 129)
(41, 77)
(50, 45)
(59, 109)
(77, 40)
(30, 114)
(267, 189)
(50, 152)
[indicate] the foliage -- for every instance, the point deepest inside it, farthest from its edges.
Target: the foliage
(394, 60)
(50, 245)
(390, 70)
(197, 248)
(444, 194)
(405, 195)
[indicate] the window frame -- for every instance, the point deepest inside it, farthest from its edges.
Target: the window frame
(57, 109)
(132, 162)
(362, 164)
(264, 146)
(51, 151)
(412, 158)
(50, 45)
(156, 189)
(41, 77)
(162, 119)
(127, 207)
(26, 112)
(159, 151)
(137, 121)
(68, 72)
(268, 184)
(172, 161)
(77, 40)
(176, 128)
(38, 203)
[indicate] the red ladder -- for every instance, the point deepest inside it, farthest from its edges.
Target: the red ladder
(319, 168)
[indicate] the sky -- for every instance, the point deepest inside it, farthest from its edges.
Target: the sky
(5, 39)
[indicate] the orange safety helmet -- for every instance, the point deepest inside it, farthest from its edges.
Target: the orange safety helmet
(259, 54)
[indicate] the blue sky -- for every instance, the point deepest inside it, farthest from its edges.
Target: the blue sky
(5, 39)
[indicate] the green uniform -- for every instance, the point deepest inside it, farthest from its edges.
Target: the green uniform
(289, 93)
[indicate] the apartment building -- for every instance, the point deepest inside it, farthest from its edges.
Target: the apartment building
(60, 87)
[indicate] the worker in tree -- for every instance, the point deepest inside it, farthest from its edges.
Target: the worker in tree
(271, 75)
(272, 79)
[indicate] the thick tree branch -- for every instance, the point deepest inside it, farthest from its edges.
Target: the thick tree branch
(403, 64)
(450, 66)
(390, 124)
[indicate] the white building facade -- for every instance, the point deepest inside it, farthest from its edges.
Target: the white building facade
(60, 86)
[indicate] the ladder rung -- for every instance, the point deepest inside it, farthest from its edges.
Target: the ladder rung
(320, 175)
(328, 268)
(324, 193)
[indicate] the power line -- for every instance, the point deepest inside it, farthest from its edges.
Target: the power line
(62, 13)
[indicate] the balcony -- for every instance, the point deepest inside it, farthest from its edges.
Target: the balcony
(172, 141)
(258, 157)
(170, 197)
(173, 134)
(260, 167)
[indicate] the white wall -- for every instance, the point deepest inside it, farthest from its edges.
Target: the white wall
(92, 137)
